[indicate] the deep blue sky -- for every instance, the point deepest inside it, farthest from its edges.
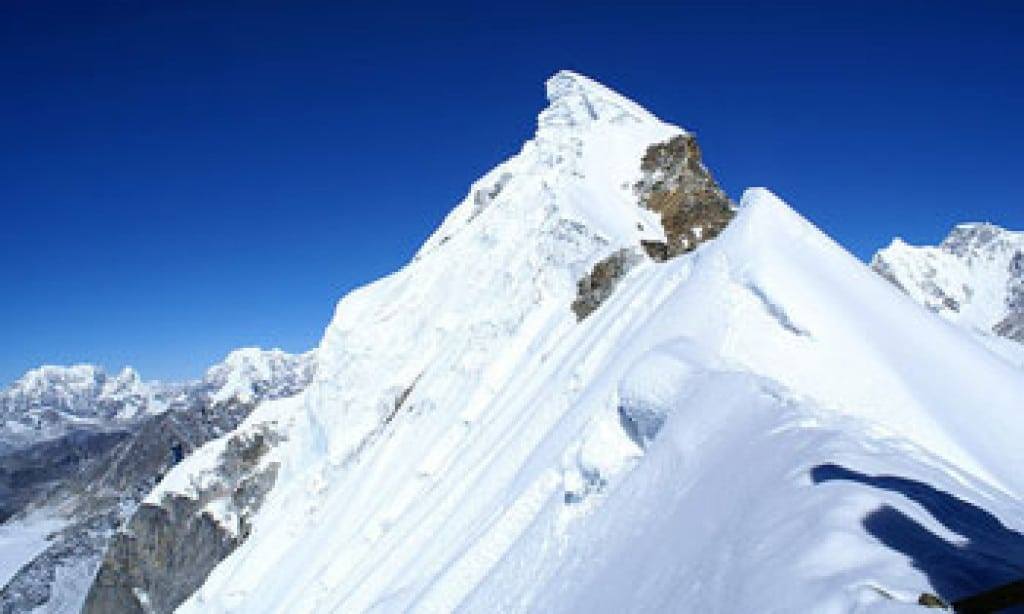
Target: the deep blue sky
(182, 178)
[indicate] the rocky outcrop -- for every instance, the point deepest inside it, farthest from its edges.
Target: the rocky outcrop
(169, 548)
(1012, 326)
(598, 285)
(693, 209)
(101, 486)
(678, 186)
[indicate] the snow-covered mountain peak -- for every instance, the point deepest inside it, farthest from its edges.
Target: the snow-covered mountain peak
(48, 400)
(974, 277)
(251, 372)
(981, 239)
(71, 386)
(580, 166)
(521, 239)
(578, 101)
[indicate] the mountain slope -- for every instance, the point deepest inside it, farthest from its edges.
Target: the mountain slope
(715, 421)
(69, 493)
(974, 278)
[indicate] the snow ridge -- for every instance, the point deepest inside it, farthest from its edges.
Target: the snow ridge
(467, 444)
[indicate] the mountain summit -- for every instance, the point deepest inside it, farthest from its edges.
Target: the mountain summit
(602, 386)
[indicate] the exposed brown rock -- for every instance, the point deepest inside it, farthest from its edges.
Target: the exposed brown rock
(677, 185)
(929, 600)
(656, 250)
(693, 210)
(599, 284)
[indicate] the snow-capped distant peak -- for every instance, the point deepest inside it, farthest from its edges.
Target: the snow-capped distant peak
(49, 401)
(71, 386)
(247, 374)
(980, 239)
(974, 277)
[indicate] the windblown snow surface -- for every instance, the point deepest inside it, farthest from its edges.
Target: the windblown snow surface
(761, 425)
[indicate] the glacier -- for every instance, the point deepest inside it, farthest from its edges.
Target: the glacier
(761, 424)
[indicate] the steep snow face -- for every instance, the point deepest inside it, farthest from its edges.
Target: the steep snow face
(467, 444)
(974, 278)
(507, 258)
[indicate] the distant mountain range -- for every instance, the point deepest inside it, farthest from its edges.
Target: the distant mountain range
(81, 448)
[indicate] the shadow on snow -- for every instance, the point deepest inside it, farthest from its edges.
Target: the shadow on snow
(989, 555)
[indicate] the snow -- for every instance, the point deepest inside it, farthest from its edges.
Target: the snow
(21, 539)
(49, 401)
(965, 279)
(244, 370)
(707, 440)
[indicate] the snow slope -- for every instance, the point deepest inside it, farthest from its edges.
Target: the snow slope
(710, 434)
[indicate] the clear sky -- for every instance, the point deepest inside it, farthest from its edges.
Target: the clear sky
(181, 178)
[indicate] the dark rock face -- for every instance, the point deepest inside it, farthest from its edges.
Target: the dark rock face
(171, 538)
(100, 478)
(677, 185)
(598, 285)
(30, 473)
(166, 551)
(1012, 326)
